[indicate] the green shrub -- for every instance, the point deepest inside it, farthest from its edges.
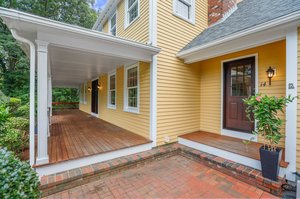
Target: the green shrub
(23, 111)
(13, 106)
(14, 140)
(17, 179)
(3, 116)
(17, 123)
(264, 110)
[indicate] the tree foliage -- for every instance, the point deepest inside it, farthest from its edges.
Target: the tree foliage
(14, 65)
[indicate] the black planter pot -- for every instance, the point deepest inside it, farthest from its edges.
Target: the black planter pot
(270, 162)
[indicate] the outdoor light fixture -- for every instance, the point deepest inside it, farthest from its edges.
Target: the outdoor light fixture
(270, 73)
(99, 87)
(89, 89)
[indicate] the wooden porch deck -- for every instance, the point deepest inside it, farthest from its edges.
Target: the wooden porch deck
(75, 134)
(230, 144)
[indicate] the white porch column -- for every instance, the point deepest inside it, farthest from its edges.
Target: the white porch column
(42, 93)
(291, 110)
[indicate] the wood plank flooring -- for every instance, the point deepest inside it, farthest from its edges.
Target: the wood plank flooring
(233, 145)
(75, 134)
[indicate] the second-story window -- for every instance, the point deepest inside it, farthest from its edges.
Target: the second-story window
(113, 25)
(132, 11)
(185, 9)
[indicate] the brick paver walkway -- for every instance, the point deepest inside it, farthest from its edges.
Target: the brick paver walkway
(174, 177)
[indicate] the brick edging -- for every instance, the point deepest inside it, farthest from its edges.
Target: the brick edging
(241, 172)
(65, 180)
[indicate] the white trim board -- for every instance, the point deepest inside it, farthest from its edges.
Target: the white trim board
(72, 164)
(225, 154)
(232, 133)
(291, 109)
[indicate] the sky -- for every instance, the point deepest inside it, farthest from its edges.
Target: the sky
(100, 4)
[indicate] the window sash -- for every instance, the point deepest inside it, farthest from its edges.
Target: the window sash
(130, 17)
(112, 90)
(132, 89)
(183, 11)
(113, 25)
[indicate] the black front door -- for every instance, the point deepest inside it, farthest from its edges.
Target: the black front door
(239, 84)
(95, 97)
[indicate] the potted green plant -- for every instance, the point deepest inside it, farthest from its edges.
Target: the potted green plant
(263, 110)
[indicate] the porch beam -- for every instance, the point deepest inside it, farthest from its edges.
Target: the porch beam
(291, 109)
(97, 46)
(42, 72)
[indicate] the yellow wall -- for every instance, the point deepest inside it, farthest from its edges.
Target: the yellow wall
(178, 90)
(298, 112)
(137, 123)
(139, 29)
(210, 82)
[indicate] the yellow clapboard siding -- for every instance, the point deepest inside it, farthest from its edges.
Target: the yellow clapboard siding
(178, 90)
(137, 123)
(210, 82)
(298, 107)
(139, 29)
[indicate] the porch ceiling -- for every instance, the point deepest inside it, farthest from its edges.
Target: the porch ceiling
(76, 54)
(69, 67)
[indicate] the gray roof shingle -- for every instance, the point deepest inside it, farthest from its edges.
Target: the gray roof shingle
(249, 13)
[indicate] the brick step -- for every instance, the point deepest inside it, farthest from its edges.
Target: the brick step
(241, 172)
(55, 183)
(58, 182)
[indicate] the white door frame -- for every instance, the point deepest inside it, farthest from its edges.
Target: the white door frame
(92, 113)
(232, 133)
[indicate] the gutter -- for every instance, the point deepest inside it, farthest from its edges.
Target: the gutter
(267, 25)
(110, 5)
(29, 18)
(32, 94)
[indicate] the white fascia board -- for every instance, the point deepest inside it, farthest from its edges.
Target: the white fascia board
(293, 17)
(12, 17)
(106, 12)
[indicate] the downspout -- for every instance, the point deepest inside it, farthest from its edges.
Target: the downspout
(153, 71)
(32, 94)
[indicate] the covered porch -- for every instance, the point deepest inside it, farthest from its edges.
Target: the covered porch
(67, 56)
(75, 134)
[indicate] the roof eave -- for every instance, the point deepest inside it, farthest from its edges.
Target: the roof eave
(105, 13)
(55, 25)
(261, 27)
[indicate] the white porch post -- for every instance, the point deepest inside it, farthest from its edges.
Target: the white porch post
(42, 68)
(291, 110)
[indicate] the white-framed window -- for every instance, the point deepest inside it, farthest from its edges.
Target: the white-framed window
(112, 90)
(99, 28)
(132, 11)
(82, 93)
(185, 9)
(113, 24)
(131, 91)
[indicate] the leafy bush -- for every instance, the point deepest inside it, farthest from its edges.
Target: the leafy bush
(13, 105)
(264, 110)
(17, 179)
(14, 134)
(23, 111)
(3, 116)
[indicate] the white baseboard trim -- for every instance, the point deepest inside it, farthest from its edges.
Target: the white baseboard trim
(72, 164)
(225, 154)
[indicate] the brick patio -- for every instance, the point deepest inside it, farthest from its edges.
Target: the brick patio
(172, 177)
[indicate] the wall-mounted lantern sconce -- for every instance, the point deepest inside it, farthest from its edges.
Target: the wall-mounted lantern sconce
(89, 89)
(270, 73)
(99, 87)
